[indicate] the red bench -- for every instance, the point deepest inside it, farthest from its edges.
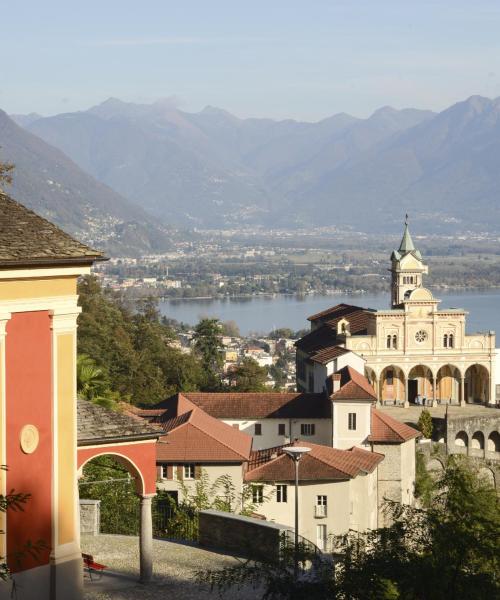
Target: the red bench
(91, 565)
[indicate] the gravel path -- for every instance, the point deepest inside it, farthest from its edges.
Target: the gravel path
(174, 568)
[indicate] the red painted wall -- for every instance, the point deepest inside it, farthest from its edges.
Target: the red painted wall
(29, 401)
(142, 455)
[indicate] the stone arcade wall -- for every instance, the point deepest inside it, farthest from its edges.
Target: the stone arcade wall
(435, 458)
(243, 536)
(485, 425)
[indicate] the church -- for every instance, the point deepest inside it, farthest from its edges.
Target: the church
(414, 352)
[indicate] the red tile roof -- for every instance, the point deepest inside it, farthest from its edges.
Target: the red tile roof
(249, 405)
(197, 437)
(357, 316)
(321, 463)
(326, 355)
(386, 430)
(353, 386)
(319, 339)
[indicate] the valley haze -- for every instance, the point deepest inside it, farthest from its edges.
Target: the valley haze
(212, 170)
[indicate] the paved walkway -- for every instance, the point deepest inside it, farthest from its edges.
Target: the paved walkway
(412, 413)
(174, 567)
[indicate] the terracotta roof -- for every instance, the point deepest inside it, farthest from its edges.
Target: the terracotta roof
(319, 339)
(337, 312)
(328, 354)
(197, 437)
(386, 430)
(250, 405)
(323, 462)
(353, 386)
(28, 239)
(101, 425)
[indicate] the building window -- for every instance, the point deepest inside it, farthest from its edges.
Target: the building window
(307, 429)
(445, 340)
(394, 341)
(451, 341)
(322, 537)
(390, 378)
(388, 341)
(167, 472)
(352, 421)
(281, 493)
(258, 494)
(281, 429)
(189, 471)
(257, 429)
(321, 506)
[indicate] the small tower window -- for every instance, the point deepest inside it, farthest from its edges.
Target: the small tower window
(388, 341)
(451, 341)
(445, 340)
(394, 341)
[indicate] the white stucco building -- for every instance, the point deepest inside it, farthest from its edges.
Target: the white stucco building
(358, 455)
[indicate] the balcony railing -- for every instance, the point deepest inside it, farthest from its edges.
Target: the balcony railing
(320, 511)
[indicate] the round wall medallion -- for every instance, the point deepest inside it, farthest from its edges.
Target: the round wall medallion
(421, 336)
(29, 439)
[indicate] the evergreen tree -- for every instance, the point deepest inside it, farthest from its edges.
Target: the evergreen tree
(208, 346)
(248, 376)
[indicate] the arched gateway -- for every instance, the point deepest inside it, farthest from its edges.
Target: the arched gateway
(133, 444)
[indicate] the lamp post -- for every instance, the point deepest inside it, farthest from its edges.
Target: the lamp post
(296, 453)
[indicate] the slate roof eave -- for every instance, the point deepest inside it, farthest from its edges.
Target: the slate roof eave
(97, 425)
(27, 240)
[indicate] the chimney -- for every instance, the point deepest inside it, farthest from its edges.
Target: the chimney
(335, 382)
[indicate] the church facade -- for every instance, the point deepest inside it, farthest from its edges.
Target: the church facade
(414, 352)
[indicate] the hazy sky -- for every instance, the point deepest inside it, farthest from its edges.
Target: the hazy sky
(279, 58)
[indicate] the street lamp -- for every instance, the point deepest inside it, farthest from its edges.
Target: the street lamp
(296, 453)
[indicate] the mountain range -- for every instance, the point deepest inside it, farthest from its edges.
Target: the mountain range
(50, 183)
(213, 169)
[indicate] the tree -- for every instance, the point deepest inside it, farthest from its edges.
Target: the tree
(93, 383)
(133, 348)
(425, 423)
(208, 346)
(425, 484)
(6, 170)
(282, 332)
(14, 501)
(231, 329)
(248, 376)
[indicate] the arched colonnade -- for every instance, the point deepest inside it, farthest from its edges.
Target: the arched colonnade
(424, 384)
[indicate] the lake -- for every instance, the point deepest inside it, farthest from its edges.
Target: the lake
(264, 313)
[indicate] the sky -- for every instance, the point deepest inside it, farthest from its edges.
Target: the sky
(304, 59)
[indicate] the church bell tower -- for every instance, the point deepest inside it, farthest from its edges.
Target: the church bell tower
(407, 269)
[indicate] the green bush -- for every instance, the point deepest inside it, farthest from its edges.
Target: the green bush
(425, 423)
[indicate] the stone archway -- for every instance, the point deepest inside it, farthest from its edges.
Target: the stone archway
(477, 384)
(477, 444)
(392, 385)
(487, 475)
(420, 384)
(448, 384)
(493, 442)
(461, 443)
(136, 460)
